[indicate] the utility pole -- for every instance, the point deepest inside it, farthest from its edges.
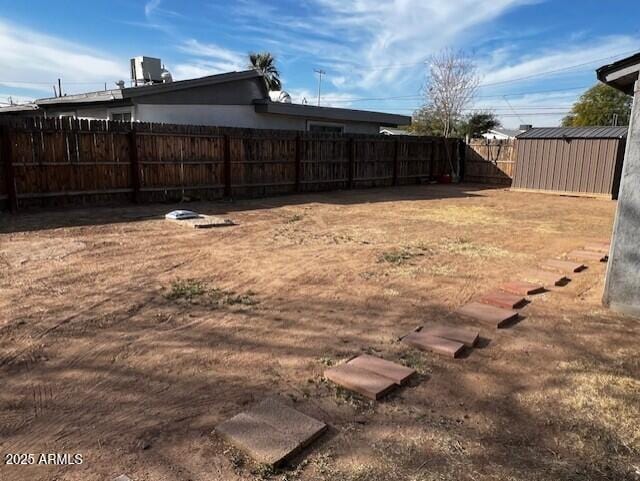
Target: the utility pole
(59, 88)
(320, 73)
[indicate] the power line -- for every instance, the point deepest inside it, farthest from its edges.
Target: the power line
(35, 82)
(507, 102)
(564, 69)
(414, 97)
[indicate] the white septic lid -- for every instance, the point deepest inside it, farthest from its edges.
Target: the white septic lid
(181, 214)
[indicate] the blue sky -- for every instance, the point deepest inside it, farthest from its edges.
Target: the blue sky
(535, 57)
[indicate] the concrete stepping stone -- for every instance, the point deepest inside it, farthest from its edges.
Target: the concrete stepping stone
(588, 255)
(428, 342)
(503, 299)
(271, 431)
(398, 373)
(497, 316)
(562, 266)
(546, 278)
(522, 288)
(598, 247)
(364, 382)
(468, 337)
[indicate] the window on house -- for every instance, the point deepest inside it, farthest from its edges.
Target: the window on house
(326, 128)
(121, 116)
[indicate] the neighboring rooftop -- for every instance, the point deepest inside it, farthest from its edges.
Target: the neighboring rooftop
(622, 74)
(18, 108)
(395, 131)
(507, 132)
(131, 92)
(329, 113)
(574, 133)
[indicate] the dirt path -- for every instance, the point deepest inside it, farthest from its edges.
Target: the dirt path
(127, 339)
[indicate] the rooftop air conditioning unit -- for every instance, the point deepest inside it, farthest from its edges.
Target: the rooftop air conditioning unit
(146, 70)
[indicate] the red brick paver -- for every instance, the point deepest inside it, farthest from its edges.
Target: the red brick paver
(503, 299)
(271, 431)
(429, 342)
(396, 372)
(362, 381)
(563, 266)
(588, 255)
(468, 337)
(495, 316)
(546, 278)
(522, 288)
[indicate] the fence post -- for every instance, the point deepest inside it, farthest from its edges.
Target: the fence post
(9, 173)
(135, 164)
(396, 161)
(352, 161)
(227, 165)
(298, 161)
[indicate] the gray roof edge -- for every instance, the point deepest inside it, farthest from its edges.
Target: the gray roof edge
(131, 92)
(595, 132)
(19, 108)
(196, 82)
(605, 70)
(331, 113)
(621, 74)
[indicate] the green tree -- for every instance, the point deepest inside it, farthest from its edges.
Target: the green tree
(475, 124)
(599, 106)
(425, 122)
(265, 63)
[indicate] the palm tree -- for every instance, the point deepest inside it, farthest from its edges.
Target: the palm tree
(264, 63)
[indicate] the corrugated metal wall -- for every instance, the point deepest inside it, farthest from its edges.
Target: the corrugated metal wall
(572, 166)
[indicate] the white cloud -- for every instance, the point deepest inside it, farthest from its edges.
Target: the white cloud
(327, 99)
(505, 65)
(207, 59)
(508, 69)
(355, 38)
(151, 6)
(28, 56)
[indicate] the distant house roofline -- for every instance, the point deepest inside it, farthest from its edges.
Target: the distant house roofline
(330, 113)
(505, 132)
(621, 74)
(29, 107)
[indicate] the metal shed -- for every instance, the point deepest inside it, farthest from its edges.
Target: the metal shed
(570, 160)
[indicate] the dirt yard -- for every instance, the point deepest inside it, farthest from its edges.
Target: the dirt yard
(127, 339)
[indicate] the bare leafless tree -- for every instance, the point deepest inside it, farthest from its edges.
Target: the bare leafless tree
(451, 84)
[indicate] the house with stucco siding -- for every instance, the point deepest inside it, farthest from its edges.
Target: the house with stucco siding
(234, 99)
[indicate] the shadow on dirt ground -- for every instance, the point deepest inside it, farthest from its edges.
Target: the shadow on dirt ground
(130, 342)
(31, 220)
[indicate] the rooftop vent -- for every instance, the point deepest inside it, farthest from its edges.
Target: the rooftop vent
(280, 96)
(146, 70)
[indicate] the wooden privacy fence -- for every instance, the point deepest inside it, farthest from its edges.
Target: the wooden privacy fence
(61, 161)
(490, 161)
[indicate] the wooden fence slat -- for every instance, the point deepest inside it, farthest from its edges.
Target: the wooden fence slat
(490, 161)
(9, 172)
(227, 166)
(352, 161)
(53, 161)
(134, 165)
